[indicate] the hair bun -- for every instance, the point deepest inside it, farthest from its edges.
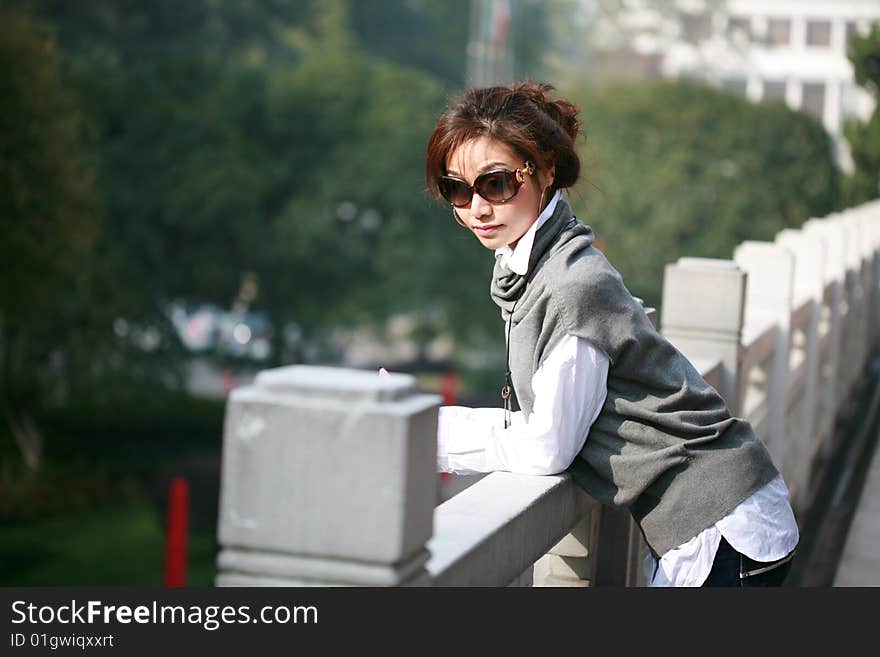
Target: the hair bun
(561, 111)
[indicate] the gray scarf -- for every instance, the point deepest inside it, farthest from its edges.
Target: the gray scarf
(507, 286)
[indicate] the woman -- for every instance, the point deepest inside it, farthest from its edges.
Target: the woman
(602, 394)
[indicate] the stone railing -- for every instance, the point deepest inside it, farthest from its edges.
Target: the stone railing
(793, 321)
(329, 474)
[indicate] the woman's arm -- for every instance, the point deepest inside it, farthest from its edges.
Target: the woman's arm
(570, 389)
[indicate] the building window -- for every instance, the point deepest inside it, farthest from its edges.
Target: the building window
(778, 31)
(819, 33)
(814, 99)
(696, 27)
(774, 90)
(739, 27)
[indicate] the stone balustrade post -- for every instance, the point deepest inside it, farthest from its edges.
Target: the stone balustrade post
(872, 221)
(859, 220)
(769, 294)
(869, 218)
(856, 336)
(802, 433)
(831, 324)
(328, 478)
(702, 315)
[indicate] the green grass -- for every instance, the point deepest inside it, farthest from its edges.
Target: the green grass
(89, 516)
(119, 544)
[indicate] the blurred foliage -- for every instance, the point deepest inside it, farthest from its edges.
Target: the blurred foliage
(864, 138)
(684, 170)
(49, 224)
(429, 36)
(98, 453)
(285, 140)
(433, 36)
(532, 35)
(264, 137)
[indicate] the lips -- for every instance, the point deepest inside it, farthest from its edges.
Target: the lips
(487, 229)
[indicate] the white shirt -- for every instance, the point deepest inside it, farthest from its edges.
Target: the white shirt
(569, 393)
(569, 390)
(518, 259)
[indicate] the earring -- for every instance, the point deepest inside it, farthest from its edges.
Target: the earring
(458, 220)
(541, 202)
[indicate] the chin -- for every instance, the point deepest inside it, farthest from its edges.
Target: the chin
(492, 242)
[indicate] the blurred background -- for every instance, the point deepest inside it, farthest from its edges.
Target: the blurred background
(194, 191)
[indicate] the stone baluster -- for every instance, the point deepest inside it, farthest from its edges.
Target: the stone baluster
(855, 337)
(831, 239)
(862, 257)
(803, 432)
(572, 561)
(872, 223)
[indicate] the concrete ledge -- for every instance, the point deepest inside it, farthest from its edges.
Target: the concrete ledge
(490, 533)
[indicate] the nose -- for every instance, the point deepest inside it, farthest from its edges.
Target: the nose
(480, 207)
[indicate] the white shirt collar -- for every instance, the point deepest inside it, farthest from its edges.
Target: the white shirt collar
(518, 259)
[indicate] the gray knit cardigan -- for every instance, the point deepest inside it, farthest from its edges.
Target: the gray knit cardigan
(664, 444)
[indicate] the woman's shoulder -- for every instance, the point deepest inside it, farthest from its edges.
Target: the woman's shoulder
(579, 266)
(585, 285)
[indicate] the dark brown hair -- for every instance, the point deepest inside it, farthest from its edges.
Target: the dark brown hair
(522, 116)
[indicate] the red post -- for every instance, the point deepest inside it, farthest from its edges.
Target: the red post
(176, 538)
(449, 388)
(227, 382)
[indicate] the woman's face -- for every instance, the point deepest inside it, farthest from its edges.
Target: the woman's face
(498, 224)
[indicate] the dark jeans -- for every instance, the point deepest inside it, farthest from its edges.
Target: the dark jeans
(731, 568)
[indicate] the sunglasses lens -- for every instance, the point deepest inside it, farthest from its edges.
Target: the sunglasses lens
(494, 186)
(497, 186)
(455, 191)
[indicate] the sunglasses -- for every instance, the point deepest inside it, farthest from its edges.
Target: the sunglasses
(496, 186)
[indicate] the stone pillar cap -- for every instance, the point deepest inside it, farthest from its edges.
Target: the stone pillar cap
(336, 383)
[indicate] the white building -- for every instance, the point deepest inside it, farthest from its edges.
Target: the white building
(792, 50)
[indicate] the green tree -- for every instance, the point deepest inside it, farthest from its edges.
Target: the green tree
(433, 36)
(430, 36)
(221, 157)
(864, 138)
(48, 213)
(677, 169)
